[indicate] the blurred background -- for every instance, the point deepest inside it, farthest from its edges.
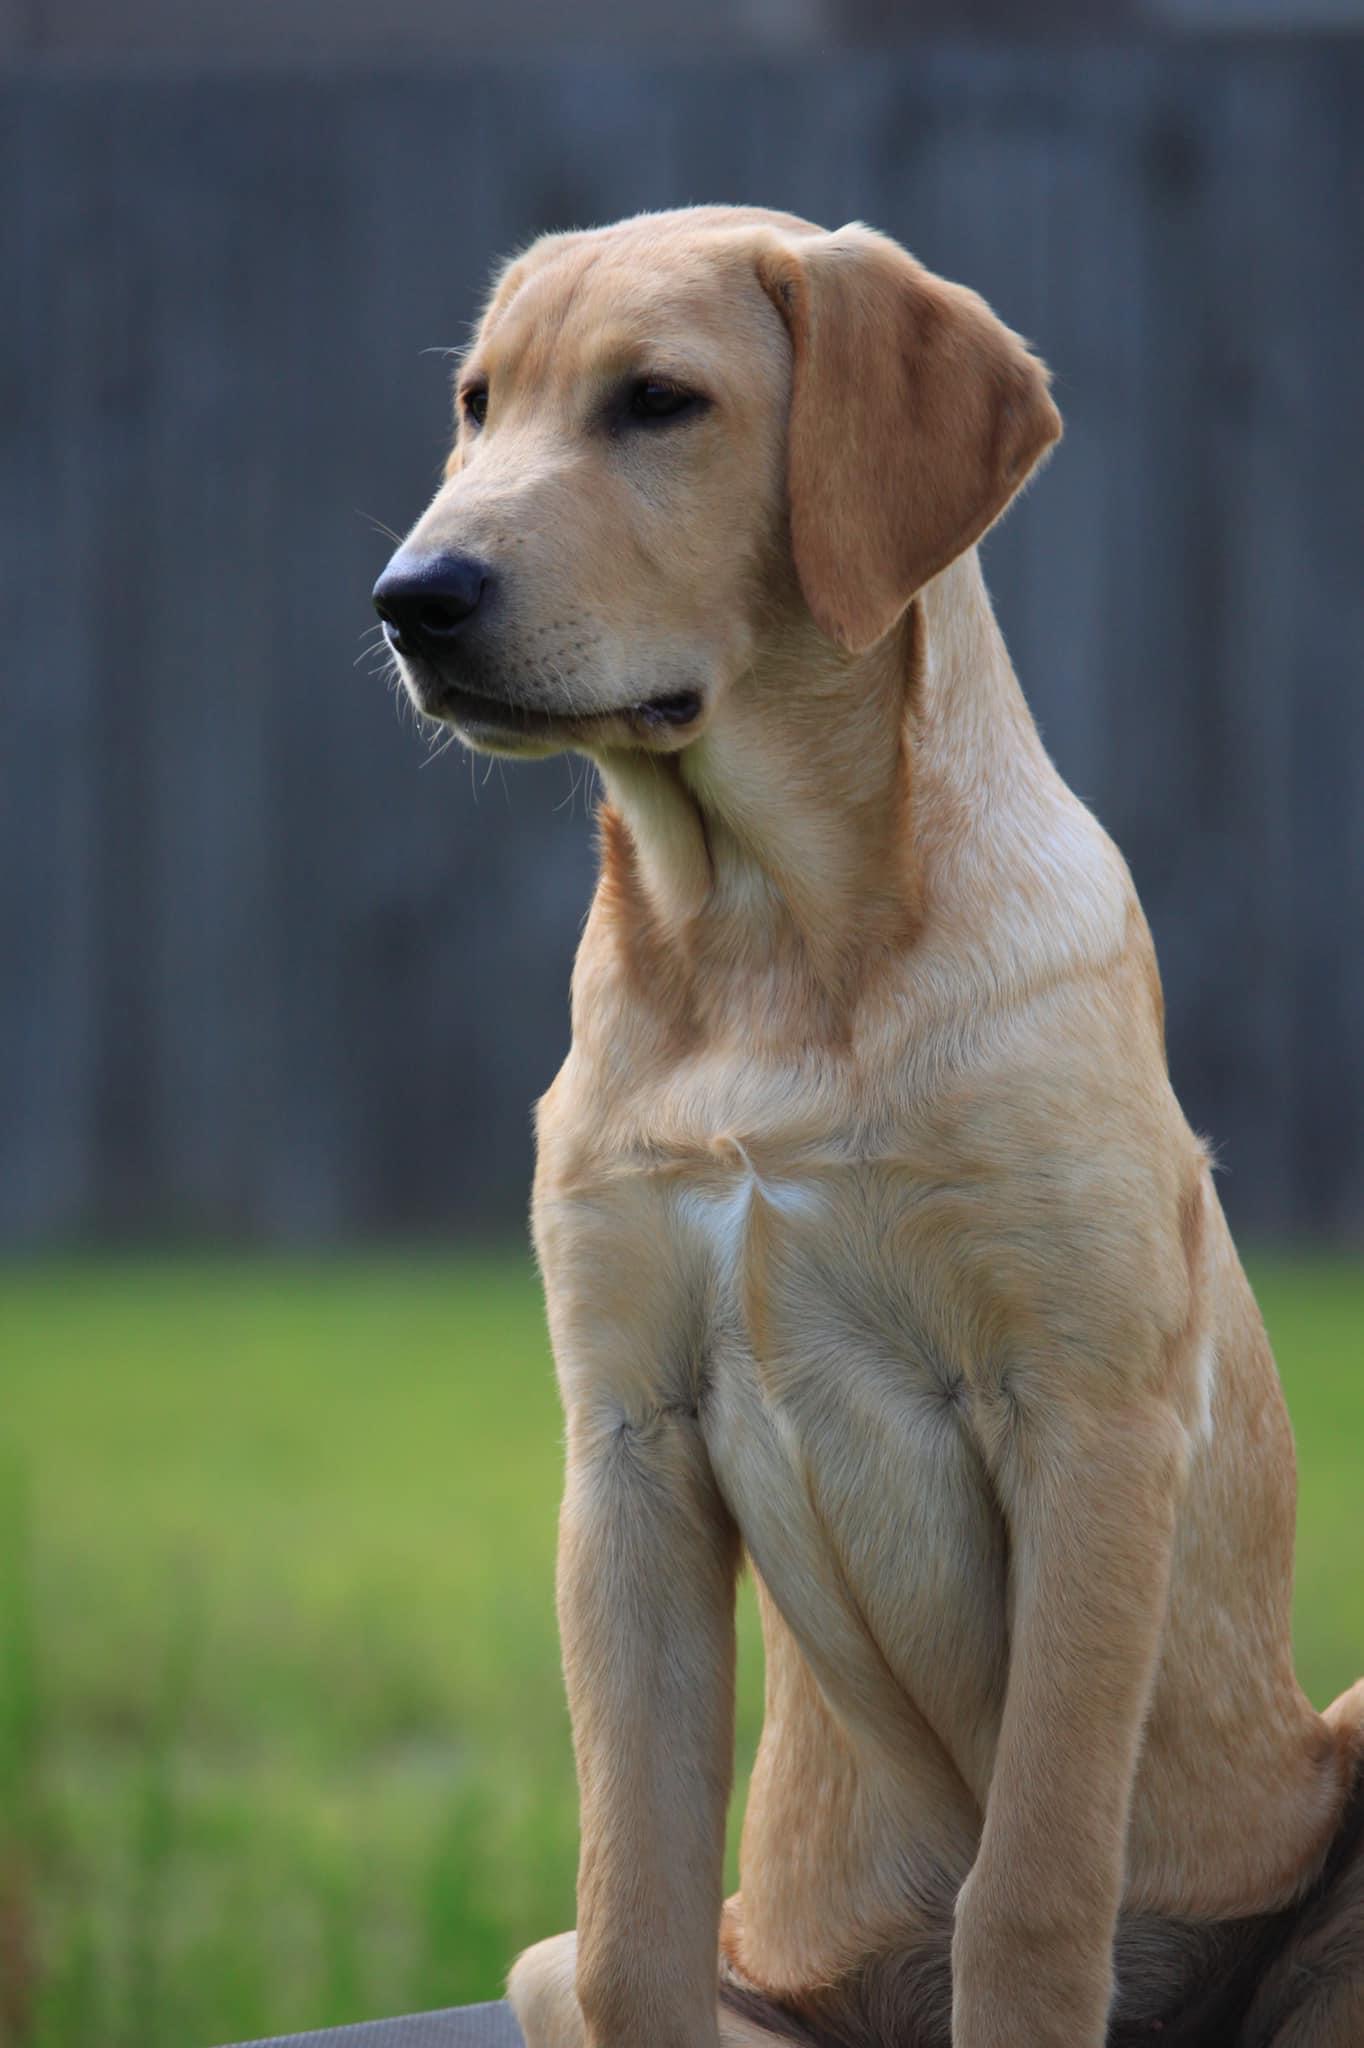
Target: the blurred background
(281, 1734)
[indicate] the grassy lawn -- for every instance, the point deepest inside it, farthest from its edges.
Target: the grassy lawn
(281, 1733)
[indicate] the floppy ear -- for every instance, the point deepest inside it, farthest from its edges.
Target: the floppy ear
(915, 416)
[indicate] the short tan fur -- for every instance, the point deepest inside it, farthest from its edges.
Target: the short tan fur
(875, 1244)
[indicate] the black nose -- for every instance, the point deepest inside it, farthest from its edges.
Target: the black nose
(426, 599)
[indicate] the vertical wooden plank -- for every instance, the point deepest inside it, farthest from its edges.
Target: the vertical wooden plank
(1324, 770)
(106, 342)
(48, 1024)
(1253, 375)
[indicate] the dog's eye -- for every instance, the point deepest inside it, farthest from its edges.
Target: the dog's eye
(652, 399)
(475, 403)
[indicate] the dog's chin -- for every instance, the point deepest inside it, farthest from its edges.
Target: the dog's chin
(499, 725)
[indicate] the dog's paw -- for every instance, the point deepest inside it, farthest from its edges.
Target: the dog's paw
(541, 1993)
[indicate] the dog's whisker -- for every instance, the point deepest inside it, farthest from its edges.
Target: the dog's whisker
(378, 525)
(447, 741)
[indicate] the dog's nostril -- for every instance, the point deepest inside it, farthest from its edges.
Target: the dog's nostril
(441, 618)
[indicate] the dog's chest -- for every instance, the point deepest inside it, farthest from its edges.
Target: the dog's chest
(839, 1423)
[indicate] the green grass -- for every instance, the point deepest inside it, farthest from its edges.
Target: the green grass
(282, 1740)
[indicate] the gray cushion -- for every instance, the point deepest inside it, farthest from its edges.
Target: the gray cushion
(469, 2026)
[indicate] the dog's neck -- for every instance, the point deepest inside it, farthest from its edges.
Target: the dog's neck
(819, 818)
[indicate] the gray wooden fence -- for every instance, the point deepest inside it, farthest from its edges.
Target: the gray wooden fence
(266, 969)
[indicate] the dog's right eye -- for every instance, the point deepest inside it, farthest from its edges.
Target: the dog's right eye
(475, 404)
(653, 398)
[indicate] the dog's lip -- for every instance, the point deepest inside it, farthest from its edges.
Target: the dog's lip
(678, 707)
(671, 712)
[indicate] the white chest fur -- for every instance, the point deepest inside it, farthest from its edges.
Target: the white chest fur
(719, 1216)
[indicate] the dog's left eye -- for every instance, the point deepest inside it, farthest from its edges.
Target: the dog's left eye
(652, 399)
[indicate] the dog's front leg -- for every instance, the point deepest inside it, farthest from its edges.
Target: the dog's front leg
(647, 1565)
(1091, 1503)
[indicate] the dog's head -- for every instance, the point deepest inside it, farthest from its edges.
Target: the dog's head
(672, 435)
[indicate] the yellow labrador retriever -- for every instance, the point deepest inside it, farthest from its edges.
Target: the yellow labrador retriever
(876, 1247)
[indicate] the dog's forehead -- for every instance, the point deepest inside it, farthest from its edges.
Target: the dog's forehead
(656, 289)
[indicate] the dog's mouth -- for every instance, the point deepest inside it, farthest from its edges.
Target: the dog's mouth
(494, 721)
